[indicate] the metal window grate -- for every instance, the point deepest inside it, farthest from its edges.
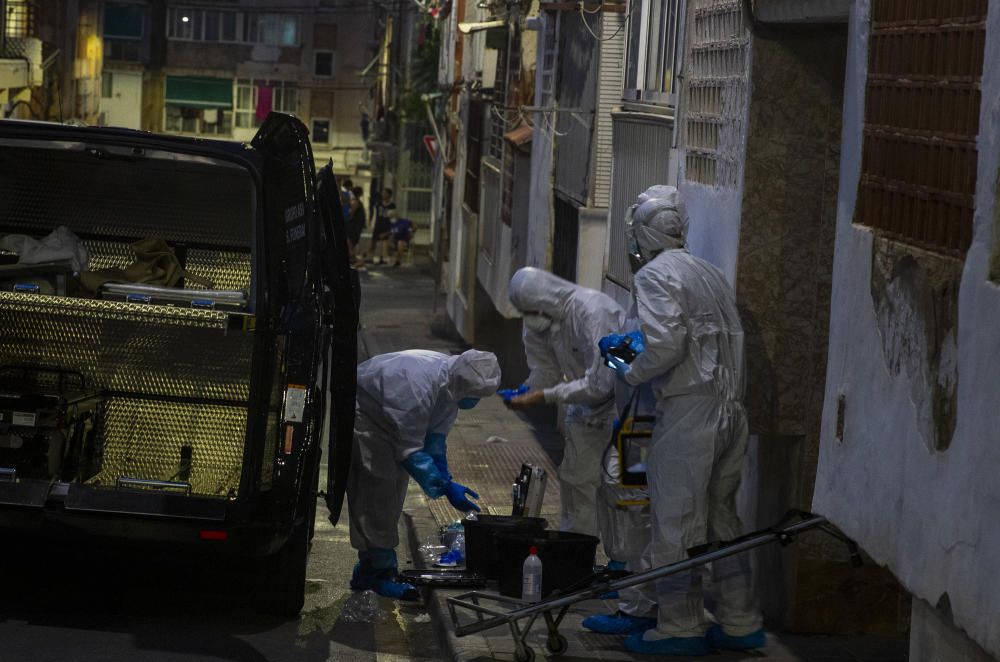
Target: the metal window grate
(715, 93)
(641, 146)
(919, 160)
(473, 153)
(20, 19)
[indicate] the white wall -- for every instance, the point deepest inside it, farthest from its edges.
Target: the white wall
(932, 517)
(540, 192)
(714, 231)
(591, 246)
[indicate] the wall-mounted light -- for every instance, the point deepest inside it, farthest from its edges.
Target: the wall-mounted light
(185, 19)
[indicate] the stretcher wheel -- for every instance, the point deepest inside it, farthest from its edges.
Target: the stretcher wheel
(527, 656)
(556, 644)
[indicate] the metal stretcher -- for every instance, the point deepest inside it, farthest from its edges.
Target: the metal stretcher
(492, 610)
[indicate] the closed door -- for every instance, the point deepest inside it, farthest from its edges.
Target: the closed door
(121, 99)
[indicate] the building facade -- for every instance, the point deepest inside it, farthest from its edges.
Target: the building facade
(216, 69)
(908, 456)
(838, 166)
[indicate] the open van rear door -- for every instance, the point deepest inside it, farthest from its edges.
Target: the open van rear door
(307, 243)
(341, 310)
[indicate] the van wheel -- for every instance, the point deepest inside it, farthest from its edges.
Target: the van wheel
(282, 589)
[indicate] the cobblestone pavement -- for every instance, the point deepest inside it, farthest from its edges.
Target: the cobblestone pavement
(486, 448)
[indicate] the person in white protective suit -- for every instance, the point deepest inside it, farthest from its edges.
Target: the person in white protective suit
(562, 324)
(624, 512)
(693, 361)
(407, 403)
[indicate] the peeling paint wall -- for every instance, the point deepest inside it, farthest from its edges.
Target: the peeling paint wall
(913, 354)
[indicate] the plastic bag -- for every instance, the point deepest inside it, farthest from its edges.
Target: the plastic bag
(455, 556)
(431, 550)
(362, 607)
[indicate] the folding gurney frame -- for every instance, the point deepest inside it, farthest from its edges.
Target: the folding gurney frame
(492, 610)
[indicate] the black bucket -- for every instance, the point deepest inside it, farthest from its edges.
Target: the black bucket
(481, 539)
(567, 560)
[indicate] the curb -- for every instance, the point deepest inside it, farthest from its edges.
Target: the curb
(458, 649)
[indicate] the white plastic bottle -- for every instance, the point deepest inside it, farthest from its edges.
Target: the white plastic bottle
(531, 577)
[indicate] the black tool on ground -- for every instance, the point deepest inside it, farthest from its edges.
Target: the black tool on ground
(492, 610)
(481, 554)
(443, 578)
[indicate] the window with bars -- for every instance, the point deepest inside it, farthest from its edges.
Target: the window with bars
(652, 53)
(919, 159)
(229, 26)
(473, 154)
(280, 96)
(193, 24)
(498, 109)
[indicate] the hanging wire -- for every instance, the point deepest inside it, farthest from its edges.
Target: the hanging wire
(551, 125)
(503, 118)
(583, 17)
(524, 118)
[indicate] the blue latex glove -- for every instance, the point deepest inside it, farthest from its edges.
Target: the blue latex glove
(635, 340)
(509, 393)
(435, 446)
(457, 497)
(609, 341)
(638, 344)
(422, 467)
(620, 367)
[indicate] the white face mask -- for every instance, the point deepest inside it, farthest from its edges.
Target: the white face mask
(537, 323)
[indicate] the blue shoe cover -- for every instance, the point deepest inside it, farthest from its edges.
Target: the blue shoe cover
(397, 590)
(689, 646)
(610, 595)
(717, 638)
(618, 623)
(616, 565)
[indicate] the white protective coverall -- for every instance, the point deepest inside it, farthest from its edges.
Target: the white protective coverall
(565, 361)
(402, 397)
(625, 525)
(693, 362)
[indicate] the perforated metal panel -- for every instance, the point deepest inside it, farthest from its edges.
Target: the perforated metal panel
(119, 196)
(177, 352)
(227, 270)
(143, 439)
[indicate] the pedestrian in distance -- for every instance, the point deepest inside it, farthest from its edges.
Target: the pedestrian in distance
(407, 403)
(356, 224)
(562, 325)
(693, 362)
(402, 235)
(382, 232)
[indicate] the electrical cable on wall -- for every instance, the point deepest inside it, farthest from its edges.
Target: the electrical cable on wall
(503, 119)
(583, 17)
